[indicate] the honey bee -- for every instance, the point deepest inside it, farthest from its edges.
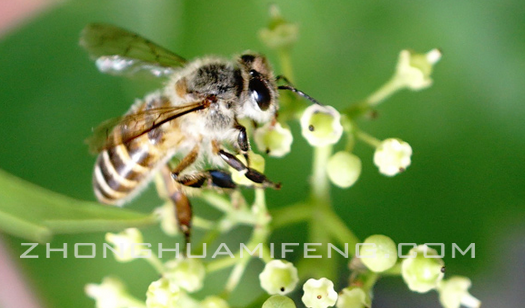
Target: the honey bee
(194, 117)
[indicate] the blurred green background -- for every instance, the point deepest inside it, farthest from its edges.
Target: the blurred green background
(466, 183)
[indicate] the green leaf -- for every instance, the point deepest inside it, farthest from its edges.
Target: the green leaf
(278, 301)
(35, 213)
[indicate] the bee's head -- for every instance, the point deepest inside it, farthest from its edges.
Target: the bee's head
(259, 95)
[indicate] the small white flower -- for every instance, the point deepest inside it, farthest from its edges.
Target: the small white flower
(353, 297)
(109, 294)
(380, 254)
(413, 69)
(319, 293)
(279, 277)
(214, 302)
(424, 272)
(162, 294)
(321, 125)
(343, 169)
(453, 293)
(127, 244)
(273, 139)
(187, 273)
(392, 156)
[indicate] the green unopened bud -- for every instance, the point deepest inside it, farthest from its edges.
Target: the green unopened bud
(214, 302)
(109, 294)
(414, 69)
(392, 156)
(353, 297)
(279, 277)
(274, 139)
(423, 271)
(187, 273)
(321, 125)
(344, 169)
(127, 244)
(162, 294)
(256, 162)
(319, 293)
(453, 293)
(379, 253)
(279, 301)
(280, 34)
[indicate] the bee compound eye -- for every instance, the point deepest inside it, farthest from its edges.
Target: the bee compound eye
(260, 94)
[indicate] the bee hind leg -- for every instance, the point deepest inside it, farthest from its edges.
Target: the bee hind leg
(183, 209)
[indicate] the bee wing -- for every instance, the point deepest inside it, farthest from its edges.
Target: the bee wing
(120, 52)
(124, 129)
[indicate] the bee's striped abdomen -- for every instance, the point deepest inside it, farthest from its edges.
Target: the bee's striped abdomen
(121, 171)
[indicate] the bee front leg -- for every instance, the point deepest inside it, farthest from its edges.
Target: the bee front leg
(252, 174)
(243, 142)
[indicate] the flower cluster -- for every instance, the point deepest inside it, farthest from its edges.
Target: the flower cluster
(323, 127)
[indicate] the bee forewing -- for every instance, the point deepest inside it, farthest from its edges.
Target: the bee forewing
(124, 129)
(121, 52)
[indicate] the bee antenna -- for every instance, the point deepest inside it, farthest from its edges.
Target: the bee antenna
(290, 87)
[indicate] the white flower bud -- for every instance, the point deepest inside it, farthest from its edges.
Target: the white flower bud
(380, 256)
(392, 156)
(319, 293)
(453, 293)
(280, 33)
(343, 169)
(423, 272)
(353, 297)
(274, 139)
(109, 294)
(214, 302)
(321, 125)
(187, 273)
(162, 294)
(413, 69)
(127, 244)
(279, 277)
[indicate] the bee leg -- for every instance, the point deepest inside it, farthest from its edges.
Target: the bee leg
(181, 202)
(217, 178)
(252, 174)
(243, 142)
(185, 162)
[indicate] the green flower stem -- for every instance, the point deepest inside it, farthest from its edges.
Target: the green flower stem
(371, 140)
(217, 201)
(393, 271)
(369, 280)
(320, 187)
(154, 261)
(291, 214)
(202, 223)
(222, 263)
(260, 234)
(286, 63)
(339, 231)
(389, 88)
